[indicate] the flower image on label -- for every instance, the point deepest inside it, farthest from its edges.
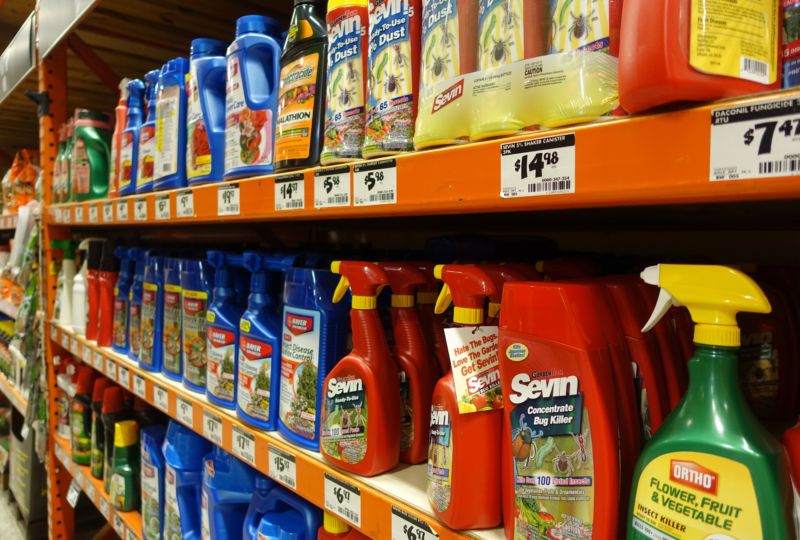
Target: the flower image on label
(119, 325)
(248, 132)
(579, 25)
(198, 150)
(299, 370)
(296, 108)
(145, 169)
(255, 365)
(172, 328)
(126, 160)
(344, 421)
(440, 51)
(194, 336)
(440, 458)
(695, 496)
(406, 413)
(134, 327)
(80, 174)
(220, 351)
(149, 297)
(151, 496)
(172, 512)
(167, 127)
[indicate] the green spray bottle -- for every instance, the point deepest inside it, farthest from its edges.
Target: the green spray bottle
(711, 470)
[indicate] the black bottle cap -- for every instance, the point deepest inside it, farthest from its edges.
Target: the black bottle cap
(95, 253)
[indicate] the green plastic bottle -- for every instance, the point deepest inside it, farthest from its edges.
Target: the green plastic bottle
(711, 470)
(90, 156)
(125, 470)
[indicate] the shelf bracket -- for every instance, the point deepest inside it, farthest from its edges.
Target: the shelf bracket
(42, 101)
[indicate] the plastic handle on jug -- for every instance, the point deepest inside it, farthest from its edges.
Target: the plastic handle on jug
(364, 279)
(467, 287)
(404, 278)
(713, 295)
(253, 98)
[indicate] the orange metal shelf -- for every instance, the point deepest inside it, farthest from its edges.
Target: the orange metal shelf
(402, 489)
(127, 524)
(8, 223)
(14, 394)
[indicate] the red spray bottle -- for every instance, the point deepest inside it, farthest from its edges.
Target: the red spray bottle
(463, 456)
(414, 360)
(95, 254)
(107, 279)
(361, 409)
(432, 324)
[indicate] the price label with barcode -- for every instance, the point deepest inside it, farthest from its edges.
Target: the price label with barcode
(59, 453)
(111, 369)
(131, 535)
(108, 212)
(67, 215)
(119, 525)
(65, 341)
(87, 356)
(290, 192)
(375, 182)
(124, 377)
(760, 140)
(162, 207)
(93, 214)
(161, 398)
(74, 345)
(332, 187)
(90, 491)
(408, 527)
(79, 214)
(212, 427)
(105, 510)
(184, 203)
(228, 200)
(97, 360)
(282, 466)
(140, 210)
(343, 499)
(53, 332)
(185, 412)
(73, 493)
(59, 215)
(541, 166)
(139, 386)
(244, 445)
(122, 210)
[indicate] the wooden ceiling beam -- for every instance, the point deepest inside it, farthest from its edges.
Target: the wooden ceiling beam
(89, 57)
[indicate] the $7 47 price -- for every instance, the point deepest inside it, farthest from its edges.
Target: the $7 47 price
(767, 130)
(525, 164)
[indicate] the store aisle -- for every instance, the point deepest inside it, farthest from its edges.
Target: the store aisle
(8, 525)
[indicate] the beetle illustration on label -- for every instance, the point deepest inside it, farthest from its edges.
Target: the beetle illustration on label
(344, 429)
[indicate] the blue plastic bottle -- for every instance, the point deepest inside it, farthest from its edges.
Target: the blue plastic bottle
(259, 505)
(136, 255)
(197, 283)
(152, 480)
(227, 489)
(205, 112)
(314, 339)
(258, 369)
(251, 98)
(170, 170)
(122, 289)
(222, 345)
(289, 516)
(184, 451)
(129, 144)
(171, 335)
(148, 143)
(152, 313)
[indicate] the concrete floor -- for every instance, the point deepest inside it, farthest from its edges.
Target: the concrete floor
(8, 523)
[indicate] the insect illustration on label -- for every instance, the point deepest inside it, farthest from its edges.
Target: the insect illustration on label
(581, 26)
(400, 57)
(438, 65)
(523, 444)
(393, 81)
(510, 19)
(352, 75)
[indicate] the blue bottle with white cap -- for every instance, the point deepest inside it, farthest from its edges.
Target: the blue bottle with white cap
(205, 112)
(170, 162)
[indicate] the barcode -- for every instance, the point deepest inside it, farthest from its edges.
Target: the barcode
(347, 513)
(779, 166)
(383, 196)
(337, 199)
(755, 67)
(293, 204)
(552, 186)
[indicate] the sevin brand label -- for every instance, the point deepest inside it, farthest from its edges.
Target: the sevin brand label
(440, 458)
(344, 419)
(448, 95)
(299, 370)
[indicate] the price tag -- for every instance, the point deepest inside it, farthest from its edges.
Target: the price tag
(90, 491)
(162, 207)
(228, 200)
(122, 210)
(244, 445)
(290, 192)
(185, 204)
(53, 332)
(375, 182)
(93, 214)
(73, 493)
(119, 525)
(74, 345)
(542, 166)
(79, 214)
(140, 210)
(185, 412)
(760, 140)
(59, 215)
(161, 398)
(97, 361)
(105, 510)
(67, 215)
(108, 212)
(59, 453)
(343, 499)
(408, 527)
(87, 356)
(131, 535)
(139, 386)
(65, 341)
(124, 377)
(282, 466)
(332, 187)
(111, 369)
(212, 427)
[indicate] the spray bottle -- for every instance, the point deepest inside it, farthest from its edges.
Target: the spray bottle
(122, 290)
(120, 115)
(124, 472)
(95, 254)
(107, 279)
(150, 349)
(711, 470)
(197, 282)
(359, 409)
(146, 162)
(66, 280)
(171, 361)
(128, 158)
(137, 258)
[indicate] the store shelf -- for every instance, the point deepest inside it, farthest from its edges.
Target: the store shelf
(127, 524)
(18, 400)
(402, 489)
(8, 223)
(7, 308)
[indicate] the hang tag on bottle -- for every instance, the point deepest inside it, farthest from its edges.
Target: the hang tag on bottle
(475, 366)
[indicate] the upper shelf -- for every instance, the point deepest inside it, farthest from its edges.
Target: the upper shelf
(666, 158)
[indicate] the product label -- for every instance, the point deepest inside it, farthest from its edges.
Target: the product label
(255, 369)
(81, 433)
(344, 419)
(134, 327)
(80, 176)
(736, 38)
(344, 112)
(172, 328)
(248, 132)
(295, 121)
(172, 512)
(695, 496)
(440, 458)
(167, 129)
(119, 327)
(476, 368)
(406, 413)
(198, 149)
(148, 323)
(96, 454)
(390, 105)
(151, 495)
(300, 370)
(145, 169)
(117, 491)
(759, 369)
(126, 160)
(220, 350)
(205, 527)
(194, 336)
(440, 50)
(579, 25)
